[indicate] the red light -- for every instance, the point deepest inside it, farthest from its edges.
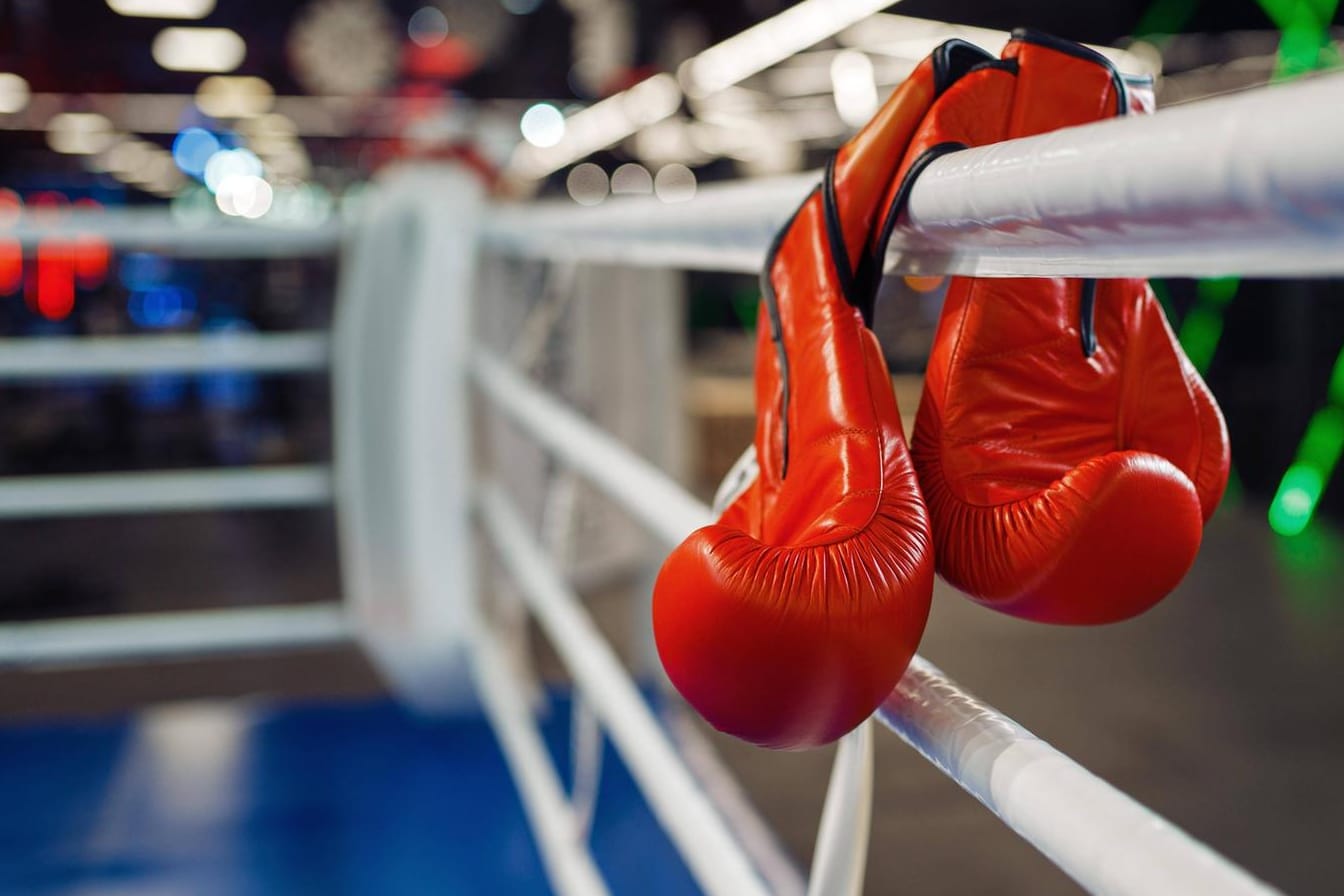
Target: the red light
(11, 253)
(92, 255)
(11, 266)
(55, 280)
(47, 201)
(11, 206)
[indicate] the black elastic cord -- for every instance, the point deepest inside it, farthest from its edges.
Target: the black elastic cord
(865, 297)
(835, 233)
(1087, 307)
(777, 331)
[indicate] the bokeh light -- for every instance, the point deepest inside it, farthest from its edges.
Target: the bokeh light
(631, 179)
(428, 26)
(80, 133)
(542, 125)
(198, 49)
(163, 9)
(674, 183)
(14, 93)
(228, 162)
(231, 96)
(192, 149)
(161, 307)
(244, 195)
(587, 184)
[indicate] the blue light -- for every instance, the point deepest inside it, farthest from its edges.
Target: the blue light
(160, 391)
(228, 390)
(141, 270)
(192, 148)
(161, 306)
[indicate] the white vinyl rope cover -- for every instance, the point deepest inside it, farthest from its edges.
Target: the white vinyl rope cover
(1102, 838)
(1249, 184)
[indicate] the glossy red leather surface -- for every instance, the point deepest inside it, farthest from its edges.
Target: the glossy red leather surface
(1062, 486)
(788, 621)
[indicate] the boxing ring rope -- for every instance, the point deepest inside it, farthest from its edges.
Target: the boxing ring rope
(705, 843)
(1097, 835)
(165, 636)
(1246, 184)
(1249, 184)
(156, 636)
(149, 229)
(96, 494)
(60, 357)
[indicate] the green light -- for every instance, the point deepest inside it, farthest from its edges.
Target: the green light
(1199, 335)
(1337, 381)
(1296, 500)
(1323, 441)
(745, 306)
(1166, 17)
(1218, 291)
(1202, 328)
(1305, 43)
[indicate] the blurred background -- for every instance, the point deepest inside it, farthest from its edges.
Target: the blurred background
(1220, 709)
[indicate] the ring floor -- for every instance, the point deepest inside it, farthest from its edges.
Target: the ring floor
(1219, 709)
(251, 797)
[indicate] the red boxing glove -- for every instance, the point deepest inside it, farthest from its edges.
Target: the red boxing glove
(1068, 450)
(790, 620)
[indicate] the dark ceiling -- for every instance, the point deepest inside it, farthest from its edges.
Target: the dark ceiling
(75, 46)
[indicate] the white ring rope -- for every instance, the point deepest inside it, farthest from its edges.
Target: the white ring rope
(1249, 184)
(1099, 836)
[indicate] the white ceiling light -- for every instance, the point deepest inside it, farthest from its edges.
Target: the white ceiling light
(772, 41)
(602, 124)
(244, 195)
(344, 46)
(163, 9)
(233, 96)
(124, 159)
(198, 49)
(79, 133)
(912, 38)
(653, 99)
(854, 86)
(542, 125)
(230, 162)
(13, 93)
(717, 68)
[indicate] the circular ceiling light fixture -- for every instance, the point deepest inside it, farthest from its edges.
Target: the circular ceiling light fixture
(344, 47)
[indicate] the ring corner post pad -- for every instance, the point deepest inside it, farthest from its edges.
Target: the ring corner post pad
(401, 406)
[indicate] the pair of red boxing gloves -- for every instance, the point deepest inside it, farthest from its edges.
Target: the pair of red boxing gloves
(1065, 457)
